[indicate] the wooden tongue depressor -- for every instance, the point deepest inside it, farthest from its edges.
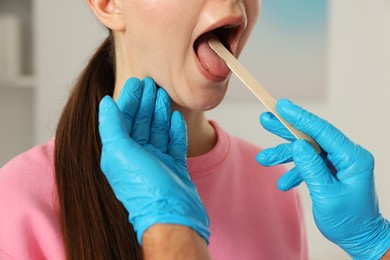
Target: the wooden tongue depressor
(256, 88)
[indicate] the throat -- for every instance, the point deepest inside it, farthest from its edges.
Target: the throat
(199, 144)
(202, 136)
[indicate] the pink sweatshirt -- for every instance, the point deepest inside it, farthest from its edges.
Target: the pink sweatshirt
(250, 218)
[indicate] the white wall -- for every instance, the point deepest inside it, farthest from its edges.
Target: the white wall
(358, 83)
(16, 102)
(66, 34)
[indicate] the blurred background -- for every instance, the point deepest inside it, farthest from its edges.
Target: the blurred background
(332, 57)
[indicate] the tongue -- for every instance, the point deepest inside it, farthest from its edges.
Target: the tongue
(209, 59)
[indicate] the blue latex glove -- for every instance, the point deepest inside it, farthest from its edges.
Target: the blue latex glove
(144, 159)
(340, 180)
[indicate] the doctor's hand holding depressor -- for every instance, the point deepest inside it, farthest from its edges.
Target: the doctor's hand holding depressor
(340, 180)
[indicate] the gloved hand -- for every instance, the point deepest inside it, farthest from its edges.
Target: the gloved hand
(340, 180)
(144, 159)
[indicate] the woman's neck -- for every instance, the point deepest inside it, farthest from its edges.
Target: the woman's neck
(201, 134)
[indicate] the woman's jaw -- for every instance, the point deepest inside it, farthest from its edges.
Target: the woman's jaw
(189, 88)
(171, 47)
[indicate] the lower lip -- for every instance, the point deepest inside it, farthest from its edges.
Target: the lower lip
(206, 73)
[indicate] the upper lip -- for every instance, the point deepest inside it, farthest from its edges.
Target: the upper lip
(237, 25)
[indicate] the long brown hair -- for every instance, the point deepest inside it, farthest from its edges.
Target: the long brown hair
(94, 223)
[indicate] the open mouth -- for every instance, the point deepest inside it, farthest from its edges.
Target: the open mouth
(225, 34)
(228, 35)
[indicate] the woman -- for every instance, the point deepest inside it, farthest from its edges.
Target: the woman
(65, 206)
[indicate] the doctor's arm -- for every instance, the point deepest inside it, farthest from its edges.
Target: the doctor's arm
(340, 179)
(386, 255)
(167, 241)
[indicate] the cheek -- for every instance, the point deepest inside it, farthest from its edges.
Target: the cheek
(252, 10)
(156, 24)
(154, 13)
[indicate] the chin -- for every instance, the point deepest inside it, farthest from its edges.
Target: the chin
(196, 93)
(210, 98)
(205, 103)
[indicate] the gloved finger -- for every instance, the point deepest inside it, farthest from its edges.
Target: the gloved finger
(289, 180)
(275, 155)
(112, 132)
(111, 126)
(331, 140)
(362, 162)
(312, 167)
(177, 147)
(128, 101)
(159, 133)
(274, 126)
(143, 118)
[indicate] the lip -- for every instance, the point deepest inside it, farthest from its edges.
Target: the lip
(239, 22)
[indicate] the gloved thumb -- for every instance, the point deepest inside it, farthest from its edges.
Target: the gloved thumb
(312, 167)
(110, 121)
